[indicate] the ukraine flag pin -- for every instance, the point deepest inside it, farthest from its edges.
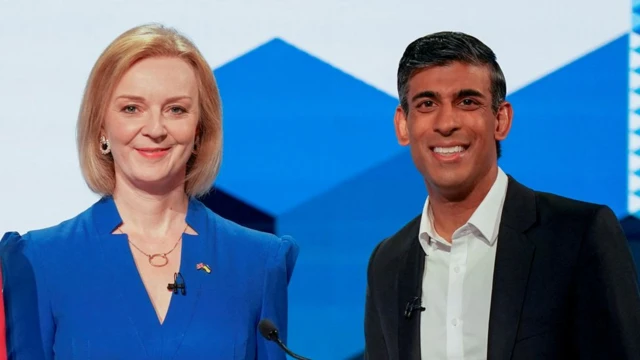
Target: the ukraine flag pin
(204, 267)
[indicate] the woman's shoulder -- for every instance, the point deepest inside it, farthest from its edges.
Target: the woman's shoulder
(252, 242)
(45, 238)
(246, 236)
(227, 230)
(279, 254)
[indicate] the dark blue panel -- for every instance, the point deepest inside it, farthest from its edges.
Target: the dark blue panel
(569, 134)
(238, 211)
(631, 227)
(295, 127)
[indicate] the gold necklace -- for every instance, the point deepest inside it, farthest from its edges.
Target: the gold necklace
(161, 256)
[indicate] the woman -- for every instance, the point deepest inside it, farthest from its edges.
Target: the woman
(147, 272)
(3, 337)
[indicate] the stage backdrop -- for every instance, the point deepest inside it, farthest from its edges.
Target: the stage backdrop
(309, 92)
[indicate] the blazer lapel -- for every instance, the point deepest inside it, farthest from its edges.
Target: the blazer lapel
(196, 249)
(514, 256)
(129, 291)
(409, 288)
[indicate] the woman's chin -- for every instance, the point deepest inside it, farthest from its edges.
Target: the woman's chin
(155, 184)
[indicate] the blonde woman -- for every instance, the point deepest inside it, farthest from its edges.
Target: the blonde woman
(147, 272)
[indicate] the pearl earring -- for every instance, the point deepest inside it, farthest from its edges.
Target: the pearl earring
(105, 147)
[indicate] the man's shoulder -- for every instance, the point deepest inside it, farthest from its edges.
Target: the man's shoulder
(554, 208)
(555, 202)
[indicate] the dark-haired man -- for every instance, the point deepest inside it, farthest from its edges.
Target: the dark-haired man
(491, 269)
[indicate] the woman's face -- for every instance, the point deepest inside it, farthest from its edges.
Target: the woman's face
(151, 123)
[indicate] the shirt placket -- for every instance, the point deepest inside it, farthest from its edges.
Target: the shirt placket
(457, 268)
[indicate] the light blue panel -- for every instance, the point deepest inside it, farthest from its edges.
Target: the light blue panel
(635, 22)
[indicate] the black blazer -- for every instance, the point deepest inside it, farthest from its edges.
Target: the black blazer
(564, 286)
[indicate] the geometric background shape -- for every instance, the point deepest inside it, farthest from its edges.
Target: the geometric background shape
(569, 131)
(338, 231)
(238, 211)
(296, 127)
(338, 224)
(339, 221)
(633, 88)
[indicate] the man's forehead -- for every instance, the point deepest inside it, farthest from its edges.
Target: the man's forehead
(451, 78)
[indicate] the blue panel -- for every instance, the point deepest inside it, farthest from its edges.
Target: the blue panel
(337, 233)
(569, 137)
(316, 148)
(635, 20)
(569, 134)
(295, 127)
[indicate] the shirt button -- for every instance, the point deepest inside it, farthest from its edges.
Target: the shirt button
(456, 269)
(454, 322)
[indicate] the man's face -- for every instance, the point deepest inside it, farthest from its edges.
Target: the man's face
(451, 127)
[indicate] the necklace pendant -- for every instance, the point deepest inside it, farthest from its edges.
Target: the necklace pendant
(161, 261)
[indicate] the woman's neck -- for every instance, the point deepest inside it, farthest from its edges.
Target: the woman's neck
(151, 215)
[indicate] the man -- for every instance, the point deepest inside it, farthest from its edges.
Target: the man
(491, 269)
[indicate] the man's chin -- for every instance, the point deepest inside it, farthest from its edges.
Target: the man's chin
(451, 186)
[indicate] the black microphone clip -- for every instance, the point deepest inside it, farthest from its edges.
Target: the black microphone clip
(414, 304)
(176, 285)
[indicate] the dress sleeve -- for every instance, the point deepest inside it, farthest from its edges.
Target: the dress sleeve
(275, 296)
(30, 326)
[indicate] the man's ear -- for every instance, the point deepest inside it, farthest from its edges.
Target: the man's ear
(504, 118)
(400, 122)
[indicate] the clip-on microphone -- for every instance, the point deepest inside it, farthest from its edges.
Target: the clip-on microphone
(175, 286)
(414, 304)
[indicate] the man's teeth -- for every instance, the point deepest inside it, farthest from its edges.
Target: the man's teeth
(449, 150)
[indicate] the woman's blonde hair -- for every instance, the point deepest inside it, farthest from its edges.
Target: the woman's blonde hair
(142, 42)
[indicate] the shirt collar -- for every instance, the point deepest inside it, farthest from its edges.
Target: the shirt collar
(485, 219)
(487, 216)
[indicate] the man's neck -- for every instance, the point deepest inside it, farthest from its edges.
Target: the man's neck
(451, 210)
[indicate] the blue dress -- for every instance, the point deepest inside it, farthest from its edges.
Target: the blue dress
(73, 291)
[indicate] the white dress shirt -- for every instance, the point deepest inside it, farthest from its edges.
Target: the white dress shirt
(458, 279)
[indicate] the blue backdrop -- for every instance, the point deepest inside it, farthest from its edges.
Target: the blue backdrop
(310, 151)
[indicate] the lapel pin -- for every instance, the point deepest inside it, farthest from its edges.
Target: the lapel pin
(204, 267)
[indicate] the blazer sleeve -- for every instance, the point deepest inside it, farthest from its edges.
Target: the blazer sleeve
(29, 320)
(275, 299)
(3, 326)
(375, 346)
(607, 311)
